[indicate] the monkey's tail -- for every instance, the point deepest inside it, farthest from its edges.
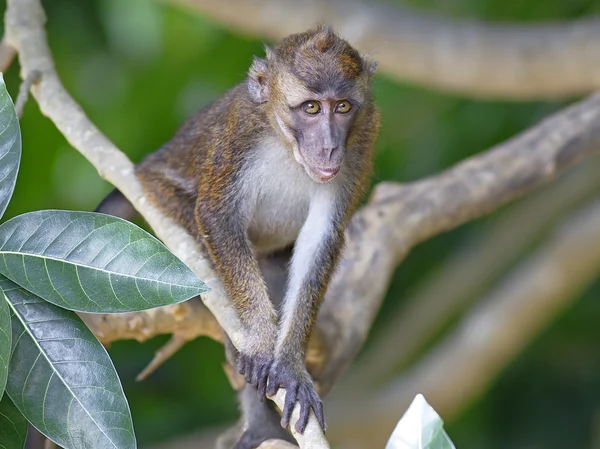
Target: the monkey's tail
(117, 205)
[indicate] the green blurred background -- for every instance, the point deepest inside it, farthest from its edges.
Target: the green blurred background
(140, 67)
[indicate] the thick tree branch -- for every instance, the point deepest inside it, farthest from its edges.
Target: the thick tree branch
(490, 336)
(188, 320)
(25, 32)
(511, 61)
(462, 278)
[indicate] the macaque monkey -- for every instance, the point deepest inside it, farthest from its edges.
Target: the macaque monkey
(279, 162)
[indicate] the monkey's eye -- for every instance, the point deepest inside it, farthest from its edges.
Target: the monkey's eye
(343, 107)
(312, 107)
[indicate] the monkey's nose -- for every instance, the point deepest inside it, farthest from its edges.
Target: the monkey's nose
(327, 152)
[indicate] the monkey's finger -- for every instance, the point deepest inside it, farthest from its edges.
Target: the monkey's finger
(247, 373)
(242, 365)
(254, 375)
(318, 409)
(290, 401)
(272, 386)
(262, 382)
(305, 407)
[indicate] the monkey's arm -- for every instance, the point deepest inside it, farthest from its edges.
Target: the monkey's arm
(316, 252)
(226, 240)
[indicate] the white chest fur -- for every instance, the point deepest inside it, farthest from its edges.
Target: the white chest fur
(280, 195)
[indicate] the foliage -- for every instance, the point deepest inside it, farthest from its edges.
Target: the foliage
(57, 375)
(13, 426)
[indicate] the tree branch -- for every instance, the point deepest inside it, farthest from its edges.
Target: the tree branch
(490, 336)
(462, 278)
(7, 55)
(469, 57)
(25, 32)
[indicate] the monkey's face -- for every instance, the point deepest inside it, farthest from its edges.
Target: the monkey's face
(320, 128)
(313, 84)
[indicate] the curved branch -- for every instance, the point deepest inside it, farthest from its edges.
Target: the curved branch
(460, 279)
(485, 340)
(469, 57)
(25, 32)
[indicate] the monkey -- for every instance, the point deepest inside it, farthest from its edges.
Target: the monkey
(278, 163)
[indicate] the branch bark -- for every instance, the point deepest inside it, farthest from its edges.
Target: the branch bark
(486, 339)
(462, 278)
(469, 57)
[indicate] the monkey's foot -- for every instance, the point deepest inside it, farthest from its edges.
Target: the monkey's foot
(255, 369)
(252, 438)
(298, 388)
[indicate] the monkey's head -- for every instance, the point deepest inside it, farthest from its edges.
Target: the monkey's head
(314, 85)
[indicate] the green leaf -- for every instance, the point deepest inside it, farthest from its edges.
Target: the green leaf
(5, 341)
(420, 428)
(61, 378)
(92, 262)
(10, 147)
(13, 426)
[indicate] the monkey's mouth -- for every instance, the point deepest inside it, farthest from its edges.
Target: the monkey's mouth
(326, 174)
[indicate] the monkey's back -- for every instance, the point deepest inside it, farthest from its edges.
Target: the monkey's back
(171, 176)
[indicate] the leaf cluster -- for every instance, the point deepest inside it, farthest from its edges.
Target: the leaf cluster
(54, 373)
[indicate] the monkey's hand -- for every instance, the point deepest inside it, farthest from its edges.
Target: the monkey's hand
(256, 357)
(299, 388)
(255, 369)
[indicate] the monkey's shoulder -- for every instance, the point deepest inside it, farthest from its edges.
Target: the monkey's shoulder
(227, 125)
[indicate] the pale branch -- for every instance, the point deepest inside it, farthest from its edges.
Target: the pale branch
(188, 320)
(7, 55)
(25, 32)
(461, 278)
(24, 92)
(470, 57)
(460, 367)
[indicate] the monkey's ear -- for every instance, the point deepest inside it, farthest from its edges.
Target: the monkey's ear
(370, 64)
(269, 53)
(257, 80)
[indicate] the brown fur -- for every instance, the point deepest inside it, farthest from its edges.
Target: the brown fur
(197, 178)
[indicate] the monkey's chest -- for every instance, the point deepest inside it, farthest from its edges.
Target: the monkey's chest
(278, 216)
